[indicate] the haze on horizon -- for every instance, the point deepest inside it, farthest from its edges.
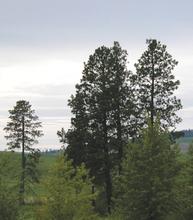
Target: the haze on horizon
(44, 43)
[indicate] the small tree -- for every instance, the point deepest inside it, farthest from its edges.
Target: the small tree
(146, 186)
(68, 194)
(22, 130)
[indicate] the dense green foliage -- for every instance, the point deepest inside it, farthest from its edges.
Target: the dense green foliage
(146, 187)
(102, 115)
(68, 194)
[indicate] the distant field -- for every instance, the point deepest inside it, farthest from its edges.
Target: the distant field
(185, 140)
(184, 143)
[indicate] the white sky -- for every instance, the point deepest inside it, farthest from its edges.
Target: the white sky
(43, 44)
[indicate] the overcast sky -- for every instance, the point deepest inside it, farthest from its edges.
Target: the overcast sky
(43, 44)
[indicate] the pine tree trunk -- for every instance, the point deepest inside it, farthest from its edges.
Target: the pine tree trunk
(107, 166)
(93, 200)
(22, 181)
(152, 110)
(119, 138)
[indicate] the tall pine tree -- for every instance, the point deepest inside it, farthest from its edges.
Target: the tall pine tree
(102, 108)
(22, 130)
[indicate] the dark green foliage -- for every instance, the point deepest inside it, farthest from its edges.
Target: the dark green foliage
(155, 85)
(146, 187)
(62, 136)
(103, 109)
(31, 171)
(22, 130)
(175, 135)
(21, 110)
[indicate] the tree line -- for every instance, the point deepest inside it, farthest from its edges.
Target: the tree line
(120, 150)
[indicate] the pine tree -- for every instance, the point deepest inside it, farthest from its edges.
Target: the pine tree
(155, 85)
(102, 108)
(22, 130)
(68, 193)
(146, 187)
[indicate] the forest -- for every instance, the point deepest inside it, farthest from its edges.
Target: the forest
(119, 160)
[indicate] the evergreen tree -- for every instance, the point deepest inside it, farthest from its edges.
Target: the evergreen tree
(155, 85)
(22, 130)
(68, 193)
(103, 110)
(146, 187)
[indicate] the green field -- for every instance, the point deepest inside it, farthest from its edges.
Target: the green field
(184, 143)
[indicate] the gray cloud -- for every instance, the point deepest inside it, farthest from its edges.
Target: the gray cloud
(79, 23)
